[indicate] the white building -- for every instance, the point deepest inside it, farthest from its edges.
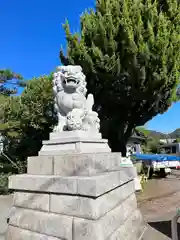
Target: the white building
(167, 140)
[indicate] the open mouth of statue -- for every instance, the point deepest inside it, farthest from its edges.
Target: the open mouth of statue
(71, 80)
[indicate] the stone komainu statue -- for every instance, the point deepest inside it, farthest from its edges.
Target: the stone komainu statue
(74, 110)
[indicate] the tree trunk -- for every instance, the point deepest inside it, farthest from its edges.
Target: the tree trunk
(116, 144)
(122, 147)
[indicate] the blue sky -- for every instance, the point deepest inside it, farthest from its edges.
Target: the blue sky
(31, 36)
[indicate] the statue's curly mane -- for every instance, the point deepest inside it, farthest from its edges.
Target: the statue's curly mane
(59, 76)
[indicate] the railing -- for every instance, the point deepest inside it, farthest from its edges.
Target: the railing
(174, 229)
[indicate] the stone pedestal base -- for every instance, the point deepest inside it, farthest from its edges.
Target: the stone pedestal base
(75, 196)
(75, 141)
(69, 218)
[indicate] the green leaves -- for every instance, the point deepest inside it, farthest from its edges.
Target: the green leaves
(130, 53)
(27, 119)
(7, 76)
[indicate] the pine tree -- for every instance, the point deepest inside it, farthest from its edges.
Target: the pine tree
(130, 53)
(9, 79)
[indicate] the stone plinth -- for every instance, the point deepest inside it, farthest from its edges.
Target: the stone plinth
(75, 141)
(75, 196)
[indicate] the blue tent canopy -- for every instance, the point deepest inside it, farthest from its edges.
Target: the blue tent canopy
(155, 157)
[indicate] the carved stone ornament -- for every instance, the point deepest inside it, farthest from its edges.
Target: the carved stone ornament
(73, 108)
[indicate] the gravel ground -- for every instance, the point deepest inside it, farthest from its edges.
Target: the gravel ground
(159, 203)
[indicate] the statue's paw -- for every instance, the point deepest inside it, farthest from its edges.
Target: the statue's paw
(55, 129)
(58, 128)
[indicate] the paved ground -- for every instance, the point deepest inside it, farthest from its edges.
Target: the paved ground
(158, 204)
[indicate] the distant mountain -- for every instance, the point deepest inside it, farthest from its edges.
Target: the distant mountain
(155, 134)
(176, 133)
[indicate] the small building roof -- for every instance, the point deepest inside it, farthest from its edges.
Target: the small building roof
(137, 137)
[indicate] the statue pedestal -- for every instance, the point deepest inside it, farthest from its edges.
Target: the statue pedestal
(74, 141)
(75, 195)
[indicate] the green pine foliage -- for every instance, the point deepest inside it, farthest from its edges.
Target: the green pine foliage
(130, 53)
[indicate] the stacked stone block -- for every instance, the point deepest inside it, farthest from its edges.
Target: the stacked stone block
(75, 196)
